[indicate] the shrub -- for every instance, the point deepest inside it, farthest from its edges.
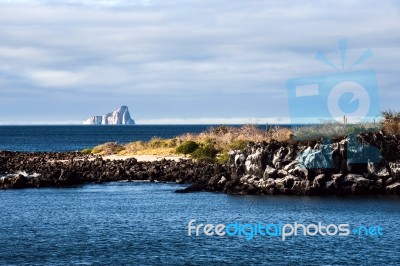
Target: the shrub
(86, 151)
(223, 136)
(238, 145)
(108, 148)
(156, 142)
(171, 143)
(205, 153)
(222, 139)
(134, 146)
(391, 122)
(223, 158)
(329, 130)
(362, 128)
(187, 147)
(220, 130)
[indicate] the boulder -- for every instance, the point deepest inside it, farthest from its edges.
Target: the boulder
(393, 189)
(301, 187)
(18, 181)
(394, 170)
(270, 172)
(320, 181)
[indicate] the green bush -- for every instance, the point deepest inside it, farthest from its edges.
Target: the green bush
(238, 145)
(86, 151)
(205, 153)
(332, 129)
(223, 158)
(362, 128)
(187, 147)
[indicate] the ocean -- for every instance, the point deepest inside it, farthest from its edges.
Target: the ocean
(139, 223)
(147, 224)
(76, 138)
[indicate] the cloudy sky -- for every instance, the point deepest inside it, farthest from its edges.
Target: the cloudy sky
(179, 61)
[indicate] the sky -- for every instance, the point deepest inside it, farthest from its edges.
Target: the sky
(175, 61)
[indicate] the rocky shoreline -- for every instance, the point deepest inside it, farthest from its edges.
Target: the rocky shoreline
(297, 168)
(35, 170)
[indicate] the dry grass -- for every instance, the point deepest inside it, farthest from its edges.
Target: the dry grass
(149, 151)
(156, 146)
(222, 138)
(216, 142)
(329, 130)
(391, 122)
(108, 148)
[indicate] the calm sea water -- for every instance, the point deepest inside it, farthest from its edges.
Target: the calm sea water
(71, 138)
(146, 224)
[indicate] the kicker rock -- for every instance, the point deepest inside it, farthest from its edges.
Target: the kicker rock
(118, 117)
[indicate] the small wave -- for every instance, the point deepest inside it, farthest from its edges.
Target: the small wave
(24, 173)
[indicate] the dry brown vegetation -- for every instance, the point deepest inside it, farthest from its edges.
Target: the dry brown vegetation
(215, 142)
(221, 138)
(156, 146)
(329, 130)
(391, 122)
(108, 148)
(224, 136)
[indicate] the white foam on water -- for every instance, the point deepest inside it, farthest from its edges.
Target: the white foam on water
(24, 173)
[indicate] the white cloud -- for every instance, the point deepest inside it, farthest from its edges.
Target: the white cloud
(55, 78)
(188, 48)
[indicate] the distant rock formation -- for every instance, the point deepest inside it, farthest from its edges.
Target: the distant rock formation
(118, 117)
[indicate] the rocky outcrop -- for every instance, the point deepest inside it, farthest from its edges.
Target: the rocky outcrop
(313, 168)
(371, 166)
(118, 117)
(35, 170)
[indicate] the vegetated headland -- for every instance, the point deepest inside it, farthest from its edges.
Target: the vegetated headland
(330, 158)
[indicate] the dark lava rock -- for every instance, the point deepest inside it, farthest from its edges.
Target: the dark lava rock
(313, 168)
